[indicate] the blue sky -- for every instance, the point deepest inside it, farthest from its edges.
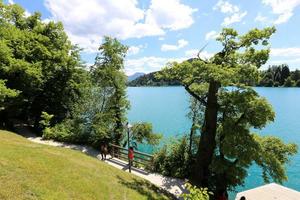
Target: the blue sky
(158, 31)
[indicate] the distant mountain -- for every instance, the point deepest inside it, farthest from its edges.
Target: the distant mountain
(151, 80)
(135, 76)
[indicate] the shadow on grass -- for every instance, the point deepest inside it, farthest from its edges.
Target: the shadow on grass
(147, 189)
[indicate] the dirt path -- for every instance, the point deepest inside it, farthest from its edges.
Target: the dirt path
(172, 185)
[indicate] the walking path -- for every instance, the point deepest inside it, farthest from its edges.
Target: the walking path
(172, 185)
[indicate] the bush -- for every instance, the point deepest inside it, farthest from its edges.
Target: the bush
(60, 132)
(195, 193)
(297, 83)
(173, 160)
(76, 131)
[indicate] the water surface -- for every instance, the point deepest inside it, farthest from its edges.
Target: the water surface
(166, 108)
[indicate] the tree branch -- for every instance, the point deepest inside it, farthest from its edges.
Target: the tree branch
(193, 94)
(240, 118)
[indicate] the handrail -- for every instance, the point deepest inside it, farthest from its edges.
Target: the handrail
(136, 152)
(140, 157)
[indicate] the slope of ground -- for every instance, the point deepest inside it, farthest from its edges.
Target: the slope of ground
(34, 171)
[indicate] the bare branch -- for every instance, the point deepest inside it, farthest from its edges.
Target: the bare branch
(198, 55)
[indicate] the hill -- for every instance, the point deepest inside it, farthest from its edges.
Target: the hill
(135, 76)
(34, 171)
(151, 80)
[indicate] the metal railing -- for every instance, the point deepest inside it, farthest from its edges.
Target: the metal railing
(122, 153)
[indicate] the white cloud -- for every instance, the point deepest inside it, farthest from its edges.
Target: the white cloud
(161, 38)
(283, 8)
(211, 35)
(180, 44)
(148, 64)
(285, 52)
(260, 18)
(283, 18)
(88, 21)
(226, 7)
(236, 17)
(11, 2)
(233, 12)
(193, 53)
(290, 56)
(170, 14)
(133, 50)
(152, 63)
(286, 61)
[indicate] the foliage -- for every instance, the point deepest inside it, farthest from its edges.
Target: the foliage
(60, 132)
(173, 159)
(195, 193)
(6, 93)
(226, 147)
(289, 82)
(46, 119)
(273, 154)
(142, 133)
(278, 75)
(295, 75)
(151, 80)
(107, 75)
(45, 122)
(38, 60)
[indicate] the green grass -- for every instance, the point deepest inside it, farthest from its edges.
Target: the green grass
(34, 171)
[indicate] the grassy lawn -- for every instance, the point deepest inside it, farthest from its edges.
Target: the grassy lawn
(33, 171)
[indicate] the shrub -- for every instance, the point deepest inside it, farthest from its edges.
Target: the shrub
(60, 132)
(195, 193)
(173, 160)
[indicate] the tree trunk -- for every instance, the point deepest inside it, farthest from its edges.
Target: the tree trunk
(191, 139)
(207, 144)
(192, 132)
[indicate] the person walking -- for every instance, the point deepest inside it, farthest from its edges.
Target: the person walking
(130, 157)
(103, 150)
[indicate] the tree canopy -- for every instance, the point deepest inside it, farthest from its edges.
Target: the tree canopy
(227, 145)
(38, 60)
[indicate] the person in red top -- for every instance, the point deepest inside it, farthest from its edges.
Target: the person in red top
(130, 157)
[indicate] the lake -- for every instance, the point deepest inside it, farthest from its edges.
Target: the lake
(166, 108)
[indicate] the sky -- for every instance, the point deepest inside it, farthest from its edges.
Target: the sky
(161, 31)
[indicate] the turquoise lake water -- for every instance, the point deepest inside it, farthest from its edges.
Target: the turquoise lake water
(166, 109)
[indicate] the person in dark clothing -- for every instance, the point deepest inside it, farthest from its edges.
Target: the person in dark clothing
(103, 150)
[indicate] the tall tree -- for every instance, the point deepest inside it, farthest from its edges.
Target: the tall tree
(285, 73)
(108, 74)
(38, 60)
(229, 113)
